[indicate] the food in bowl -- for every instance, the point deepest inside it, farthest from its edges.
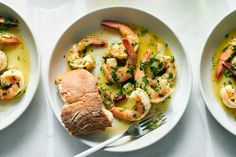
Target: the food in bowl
(14, 62)
(224, 72)
(132, 68)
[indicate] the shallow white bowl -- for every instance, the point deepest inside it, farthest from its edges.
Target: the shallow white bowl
(16, 109)
(90, 23)
(226, 25)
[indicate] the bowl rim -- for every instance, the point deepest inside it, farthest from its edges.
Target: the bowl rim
(206, 100)
(188, 62)
(37, 78)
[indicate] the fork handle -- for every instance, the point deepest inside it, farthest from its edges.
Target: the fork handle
(99, 146)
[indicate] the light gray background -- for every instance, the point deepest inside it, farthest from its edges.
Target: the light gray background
(38, 133)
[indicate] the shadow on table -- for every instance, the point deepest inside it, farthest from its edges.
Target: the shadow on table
(222, 140)
(16, 138)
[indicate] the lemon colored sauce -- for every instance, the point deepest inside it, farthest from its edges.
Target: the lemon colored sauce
(18, 57)
(218, 84)
(148, 40)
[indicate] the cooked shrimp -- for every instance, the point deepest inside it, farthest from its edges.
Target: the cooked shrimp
(3, 60)
(157, 87)
(73, 57)
(161, 91)
(117, 50)
(223, 57)
(159, 64)
(8, 38)
(228, 95)
(121, 74)
(231, 67)
(169, 67)
(137, 110)
(12, 84)
(227, 54)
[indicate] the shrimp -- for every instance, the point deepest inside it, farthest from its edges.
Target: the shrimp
(12, 84)
(121, 74)
(8, 38)
(137, 110)
(160, 65)
(169, 67)
(227, 54)
(231, 67)
(223, 57)
(3, 60)
(117, 50)
(228, 95)
(157, 87)
(160, 92)
(88, 62)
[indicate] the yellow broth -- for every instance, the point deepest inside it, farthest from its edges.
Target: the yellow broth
(18, 57)
(218, 84)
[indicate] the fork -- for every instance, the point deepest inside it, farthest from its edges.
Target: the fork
(136, 129)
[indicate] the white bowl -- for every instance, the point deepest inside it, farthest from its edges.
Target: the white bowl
(16, 109)
(90, 23)
(226, 25)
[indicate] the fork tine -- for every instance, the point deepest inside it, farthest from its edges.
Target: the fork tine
(162, 121)
(153, 117)
(144, 132)
(149, 116)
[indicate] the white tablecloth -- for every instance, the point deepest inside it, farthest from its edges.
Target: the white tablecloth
(38, 133)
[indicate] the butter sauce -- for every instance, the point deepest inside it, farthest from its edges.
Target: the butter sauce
(18, 57)
(218, 84)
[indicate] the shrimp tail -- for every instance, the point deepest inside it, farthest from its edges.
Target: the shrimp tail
(223, 57)
(138, 71)
(111, 24)
(95, 41)
(132, 55)
(219, 71)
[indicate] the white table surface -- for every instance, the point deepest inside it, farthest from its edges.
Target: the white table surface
(38, 133)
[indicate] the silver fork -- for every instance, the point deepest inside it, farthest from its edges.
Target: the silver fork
(136, 129)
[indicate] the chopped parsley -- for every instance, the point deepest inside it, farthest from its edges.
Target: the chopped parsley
(109, 101)
(131, 70)
(171, 75)
(121, 63)
(143, 64)
(114, 75)
(227, 73)
(143, 31)
(154, 125)
(134, 44)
